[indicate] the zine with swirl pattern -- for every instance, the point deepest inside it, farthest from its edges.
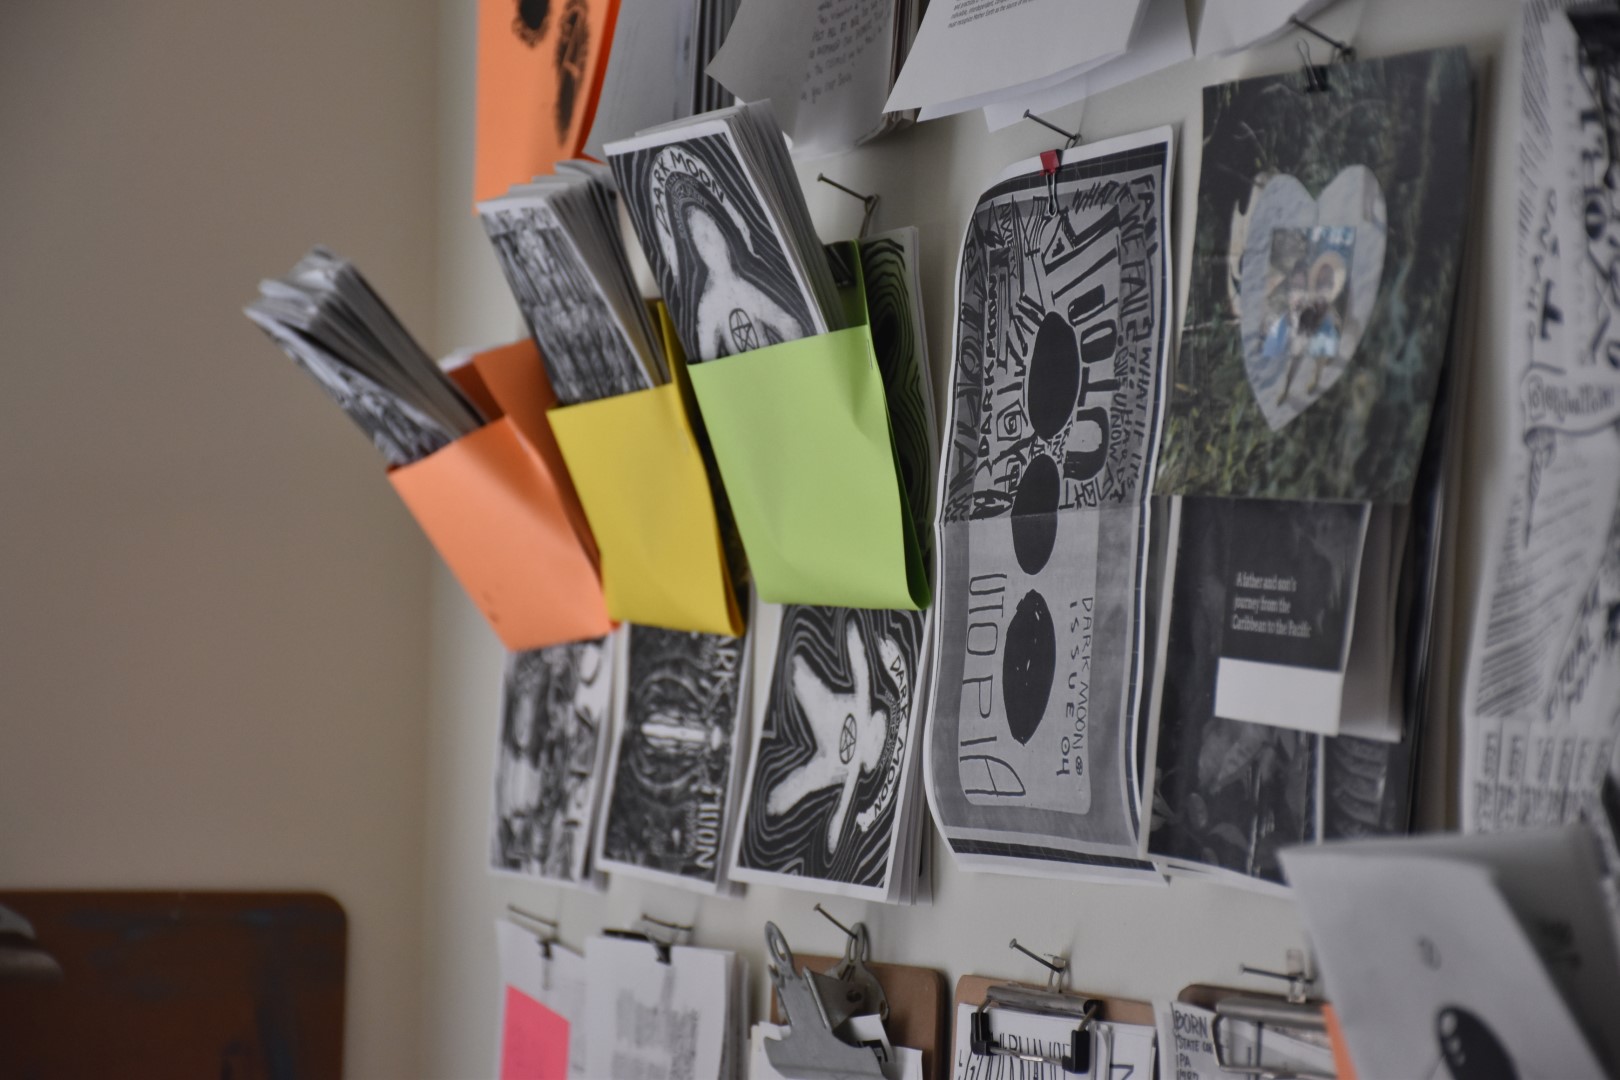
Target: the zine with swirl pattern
(830, 786)
(894, 313)
(680, 720)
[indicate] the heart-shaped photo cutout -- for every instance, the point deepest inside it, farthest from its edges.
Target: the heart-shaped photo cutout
(1310, 275)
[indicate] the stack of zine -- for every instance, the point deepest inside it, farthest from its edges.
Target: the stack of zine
(331, 322)
(557, 239)
(720, 215)
(830, 800)
(1307, 449)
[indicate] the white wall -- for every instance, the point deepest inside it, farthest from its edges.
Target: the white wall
(1132, 941)
(214, 619)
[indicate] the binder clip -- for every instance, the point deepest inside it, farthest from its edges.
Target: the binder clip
(1076, 1060)
(1316, 79)
(1051, 159)
(662, 936)
(868, 202)
(1295, 1013)
(551, 927)
(816, 1007)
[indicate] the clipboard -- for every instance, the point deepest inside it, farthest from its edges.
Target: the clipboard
(917, 1017)
(983, 993)
(1294, 1011)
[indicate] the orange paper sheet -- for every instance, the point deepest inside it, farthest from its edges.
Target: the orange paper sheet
(540, 66)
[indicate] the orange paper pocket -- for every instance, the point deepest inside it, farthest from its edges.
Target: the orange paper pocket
(499, 507)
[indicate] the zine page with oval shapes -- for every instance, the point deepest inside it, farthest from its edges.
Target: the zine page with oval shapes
(1326, 258)
(1042, 531)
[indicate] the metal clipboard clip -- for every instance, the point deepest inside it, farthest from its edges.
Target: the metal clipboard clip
(662, 936)
(1051, 1001)
(816, 1007)
(1295, 1012)
(551, 928)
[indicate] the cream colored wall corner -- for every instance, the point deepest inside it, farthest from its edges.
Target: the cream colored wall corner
(214, 614)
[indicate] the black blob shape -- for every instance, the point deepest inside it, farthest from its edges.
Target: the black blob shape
(532, 15)
(1470, 1048)
(1027, 665)
(1054, 376)
(1034, 513)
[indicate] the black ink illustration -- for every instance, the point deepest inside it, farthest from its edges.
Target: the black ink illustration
(554, 713)
(1470, 1049)
(586, 350)
(720, 263)
(573, 52)
(531, 21)
(672, 779)
(834, 745)
(1060, 334)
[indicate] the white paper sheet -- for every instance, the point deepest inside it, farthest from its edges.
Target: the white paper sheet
(558, 983)
(653, 1021)
(826, 67)
(972, 47)
(1230, 25)
(1489, 946)
(1163, 40)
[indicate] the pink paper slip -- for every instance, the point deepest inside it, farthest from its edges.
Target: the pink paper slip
(534, 1040)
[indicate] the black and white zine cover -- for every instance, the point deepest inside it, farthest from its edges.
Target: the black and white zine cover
(837, 715)
(587, 348)
(681, 724)
(1326, 258)
(719, 253)
(554, 717)
(1055, 402)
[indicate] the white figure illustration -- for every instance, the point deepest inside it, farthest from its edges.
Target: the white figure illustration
(734, 315)
(849, 732)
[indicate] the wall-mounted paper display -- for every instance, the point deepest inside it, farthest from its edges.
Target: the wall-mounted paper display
(802, 437)
(1043, 520)
(540, 65)
(500, 508)
(641, 477)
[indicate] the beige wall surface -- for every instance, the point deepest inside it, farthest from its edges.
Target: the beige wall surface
(213, 612)
(1130, 940)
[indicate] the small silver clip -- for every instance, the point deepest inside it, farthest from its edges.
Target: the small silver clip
(1316, 75)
